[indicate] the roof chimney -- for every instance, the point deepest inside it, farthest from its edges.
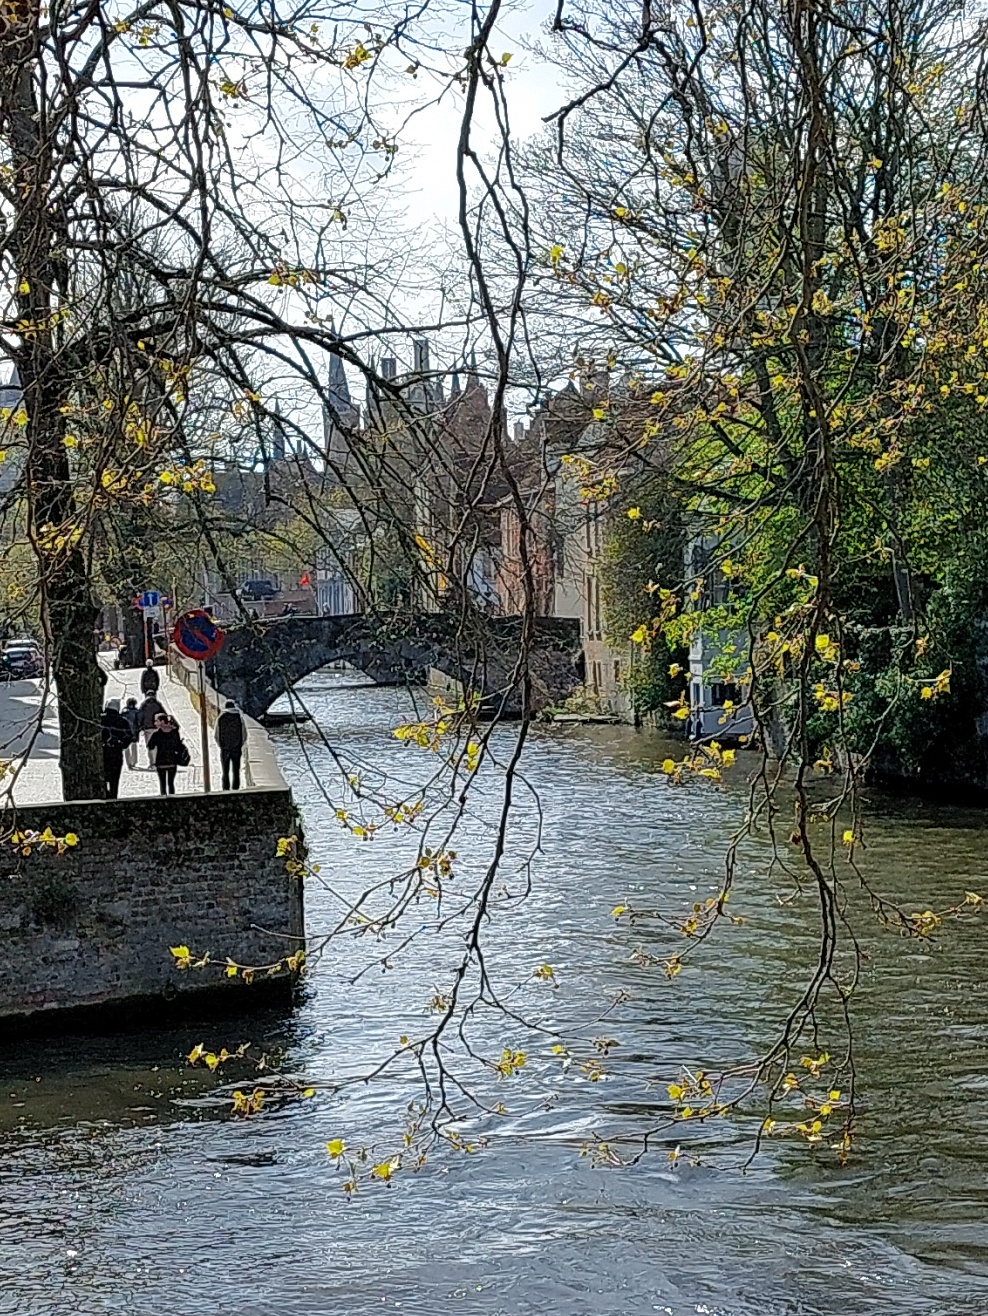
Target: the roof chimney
(421, 350)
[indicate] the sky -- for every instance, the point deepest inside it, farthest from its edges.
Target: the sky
(426, 198)
(533, 92)
(427, 194)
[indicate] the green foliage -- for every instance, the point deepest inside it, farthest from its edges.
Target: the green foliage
(643, 553)
(914, 727)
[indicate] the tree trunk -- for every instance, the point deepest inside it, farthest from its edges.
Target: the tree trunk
(68, 608)
(71, 617)
(903, 592)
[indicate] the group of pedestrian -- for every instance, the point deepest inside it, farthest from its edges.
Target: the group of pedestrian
(166, 750)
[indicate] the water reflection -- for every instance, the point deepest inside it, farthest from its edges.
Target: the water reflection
(121, 1194)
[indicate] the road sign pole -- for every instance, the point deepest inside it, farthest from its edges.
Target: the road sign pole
(197, 636)
(204, 729)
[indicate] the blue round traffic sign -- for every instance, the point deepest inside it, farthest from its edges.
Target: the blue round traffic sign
(197, 636)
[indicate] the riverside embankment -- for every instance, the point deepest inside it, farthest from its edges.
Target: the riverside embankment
(87, 928)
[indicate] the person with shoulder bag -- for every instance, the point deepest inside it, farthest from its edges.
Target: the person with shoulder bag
(168, 752)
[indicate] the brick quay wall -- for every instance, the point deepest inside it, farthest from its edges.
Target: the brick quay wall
(90, 929)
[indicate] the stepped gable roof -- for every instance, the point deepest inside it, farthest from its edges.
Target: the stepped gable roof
(11, 392)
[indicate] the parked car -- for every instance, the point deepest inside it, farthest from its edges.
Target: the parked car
(258, 591)
(21, 660)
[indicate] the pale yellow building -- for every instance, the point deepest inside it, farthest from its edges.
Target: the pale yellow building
(580, 528)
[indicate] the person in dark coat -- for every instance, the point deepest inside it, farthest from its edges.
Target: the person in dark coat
(150, 680)
(133, 716)
(167, 752)
(147, 713)
(116, 735)
(231, 732)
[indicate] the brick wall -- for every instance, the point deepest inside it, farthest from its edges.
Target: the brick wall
(93, 926)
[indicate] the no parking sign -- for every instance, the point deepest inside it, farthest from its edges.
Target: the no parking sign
(197, 636)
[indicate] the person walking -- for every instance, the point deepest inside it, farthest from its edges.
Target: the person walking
(231, 732)
(115, 732)
(168, 752)
(146, 715)
(133, 715)
(150, 680)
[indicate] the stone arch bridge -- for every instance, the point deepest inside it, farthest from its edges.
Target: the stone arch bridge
(262, 660)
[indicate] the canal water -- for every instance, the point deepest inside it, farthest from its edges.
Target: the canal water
(128, 1188)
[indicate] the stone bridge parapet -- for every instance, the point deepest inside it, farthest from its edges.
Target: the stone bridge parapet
(262, 660)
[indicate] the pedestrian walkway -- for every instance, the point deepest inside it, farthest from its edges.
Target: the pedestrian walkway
(143, 780)
(38, 780)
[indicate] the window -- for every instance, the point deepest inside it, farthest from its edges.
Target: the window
(723, 692)
(617, 673)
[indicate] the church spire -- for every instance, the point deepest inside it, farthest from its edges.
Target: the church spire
(339, 388)
(11, 392)
(340, 416)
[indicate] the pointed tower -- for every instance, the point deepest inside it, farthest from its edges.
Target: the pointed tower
(340, 417)
(279, 440)
(425, 392)
(11, 395)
